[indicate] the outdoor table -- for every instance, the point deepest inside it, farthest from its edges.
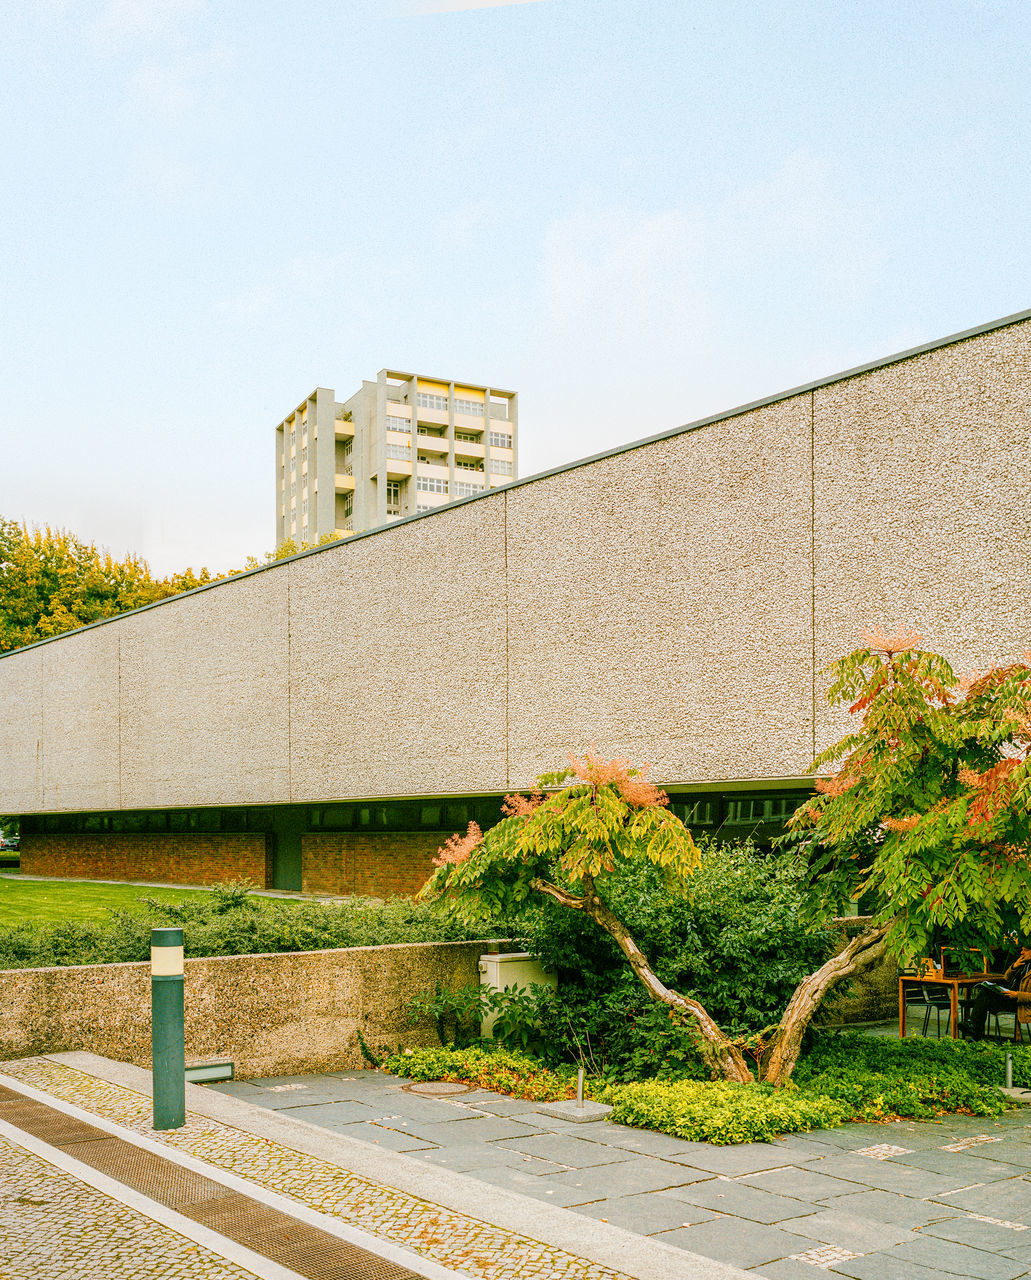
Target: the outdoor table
(953, 982)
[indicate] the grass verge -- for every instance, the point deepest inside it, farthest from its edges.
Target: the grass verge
(58, 901)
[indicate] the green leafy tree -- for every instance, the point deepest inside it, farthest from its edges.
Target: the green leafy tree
(927, 815)
(52, 582)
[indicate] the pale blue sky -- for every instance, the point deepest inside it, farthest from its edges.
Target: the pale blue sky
(633, 213)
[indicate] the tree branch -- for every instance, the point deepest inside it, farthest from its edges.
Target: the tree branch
(560, 895)
(861, 952)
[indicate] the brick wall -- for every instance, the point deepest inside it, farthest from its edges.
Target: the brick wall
(180, 858)
(381, 866)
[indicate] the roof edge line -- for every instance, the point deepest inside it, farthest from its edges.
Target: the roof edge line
(725, 415)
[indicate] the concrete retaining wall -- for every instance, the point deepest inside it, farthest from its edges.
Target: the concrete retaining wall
(270, 1014)
(279, 1014)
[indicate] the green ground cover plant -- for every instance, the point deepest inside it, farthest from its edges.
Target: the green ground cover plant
(721, 1112)
(842, 1077)
(227, 920)
(501, 1070)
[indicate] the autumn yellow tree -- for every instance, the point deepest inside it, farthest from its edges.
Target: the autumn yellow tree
(52, 581)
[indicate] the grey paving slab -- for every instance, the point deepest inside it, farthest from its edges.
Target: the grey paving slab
(800, 1184)
(270, 1101)
(1021, 1252)
(589, 1131)
(980, 1235)
(1009, 1151)
(851, 1137)
(647, 1142)
(883, 1175)
(625, 1178)
(949, 1258)
(803, 1146)
(485, 1155)
(849, 1230)
(496, 1105)
(335, 1113)
(961, 1166)
(526, 1184)
(790, 1269)
(238, 1089)
(725, 1196)
(744, 1244)
(888, 1206)
(421, 1110)
(461, 1130)
(388, 1139)
(646, 1214)
(748, 1157)
(1010, 1200)
(567, 1150)
(880, 1266)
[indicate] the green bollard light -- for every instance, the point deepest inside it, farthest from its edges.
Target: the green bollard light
(168, 1043)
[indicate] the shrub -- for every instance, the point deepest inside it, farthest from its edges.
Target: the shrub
(229, 922)
(616, 1031)
(458, 1014)
(880, 1076)
(502, 1070)
(739, 944)
(720, 1112)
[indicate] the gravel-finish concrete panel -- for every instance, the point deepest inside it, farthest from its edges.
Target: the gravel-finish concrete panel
(80, 716)
(397, 676)
(660, 604)
(922, 472)
(204, 699)
(21, 732)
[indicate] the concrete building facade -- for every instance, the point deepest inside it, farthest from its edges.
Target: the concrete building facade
(324, 722)
(401, 445)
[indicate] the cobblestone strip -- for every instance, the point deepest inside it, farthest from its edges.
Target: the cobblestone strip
(52, 1225)
(452, 1239)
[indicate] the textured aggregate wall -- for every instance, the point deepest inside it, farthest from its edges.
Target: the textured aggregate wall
(659, 605)
(923, 503)
(270, 1014)
(675, 602)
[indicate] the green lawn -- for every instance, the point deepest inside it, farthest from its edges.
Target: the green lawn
(51, 901)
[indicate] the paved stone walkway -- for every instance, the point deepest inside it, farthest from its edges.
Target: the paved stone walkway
(52, 1225)
(452, 1239)
(902, 1201)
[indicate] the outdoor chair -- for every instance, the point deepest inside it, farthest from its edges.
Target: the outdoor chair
(936, 1004)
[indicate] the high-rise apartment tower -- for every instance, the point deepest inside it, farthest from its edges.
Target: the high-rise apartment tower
(402, 444)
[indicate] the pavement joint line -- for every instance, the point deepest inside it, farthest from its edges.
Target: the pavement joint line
(556, 1230)
(240, 1255)
(264, 1195)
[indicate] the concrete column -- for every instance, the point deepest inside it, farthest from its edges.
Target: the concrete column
(451, 441)
(379, 446)
(513, 417)
(486, 437)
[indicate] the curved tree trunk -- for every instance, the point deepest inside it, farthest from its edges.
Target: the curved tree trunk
(863, 951)
(724, 1057)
